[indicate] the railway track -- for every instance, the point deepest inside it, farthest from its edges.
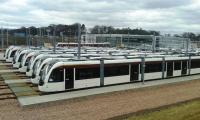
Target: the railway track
(3, 85)
(7, 93)
(5, 96)
(13, 91)
(2, 88)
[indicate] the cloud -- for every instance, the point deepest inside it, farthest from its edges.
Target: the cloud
(163, 15)
(164, 4)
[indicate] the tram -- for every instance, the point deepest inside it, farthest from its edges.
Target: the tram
(61, 76)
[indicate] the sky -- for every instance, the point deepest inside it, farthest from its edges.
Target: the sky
(167, 16)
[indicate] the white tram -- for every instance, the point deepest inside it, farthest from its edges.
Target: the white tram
(61, 76)
(6, 52)
(10, 53)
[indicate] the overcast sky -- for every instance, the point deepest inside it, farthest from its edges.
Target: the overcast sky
(163, 15)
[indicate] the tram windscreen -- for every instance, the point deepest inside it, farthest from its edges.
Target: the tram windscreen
(57, 75)
(35, 64)
(27, 61)
(20, 57)
(44, 71)
(35, 68)
(15, 56)
(24, 56)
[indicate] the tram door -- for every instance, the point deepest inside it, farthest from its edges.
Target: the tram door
(69, 78)
(134, 72)
(169, 69)
(184, 68)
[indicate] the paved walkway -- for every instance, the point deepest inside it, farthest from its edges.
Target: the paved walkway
(25, 101)
(3, 64)
(17, 81)
(9, 71)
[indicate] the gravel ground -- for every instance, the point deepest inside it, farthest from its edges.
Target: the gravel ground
(103, 106)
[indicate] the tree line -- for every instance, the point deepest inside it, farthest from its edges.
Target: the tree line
(192, 36)
(59, 30)
(111, 30)
(71, 30)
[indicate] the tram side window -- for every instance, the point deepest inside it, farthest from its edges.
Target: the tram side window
(87, 73)
(177, 65)
(116, 70)
(195, 64)
(153, 67)
(57, 75)
(12, 54)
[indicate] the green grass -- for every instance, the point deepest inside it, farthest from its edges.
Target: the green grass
(185, 111)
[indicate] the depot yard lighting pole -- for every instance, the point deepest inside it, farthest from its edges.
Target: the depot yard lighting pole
(154, 43)
(189, 65)
(187, 46)
(79, 41)
(61, 34)
(128, 37)
(163, 67)
(145, 49)
(48, 31)
(43, 36)
(2, 39)
(26, 37)
(54, 39)
(142, 69)
(37, 37)
(29, 37)
(7, 38)
(101, 72)
(40, 36)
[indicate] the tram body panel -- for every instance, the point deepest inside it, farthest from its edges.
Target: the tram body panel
(86, 83)
(151, 76)
(116, 79)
